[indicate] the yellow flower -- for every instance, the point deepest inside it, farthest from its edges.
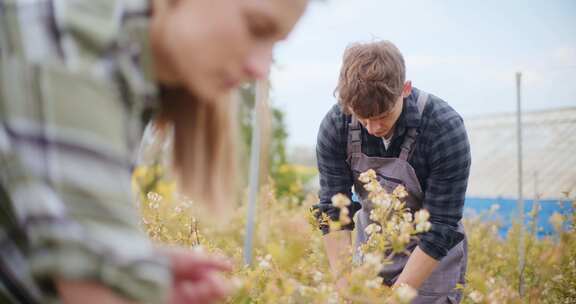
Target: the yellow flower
(397, 205)
(372, 228)
(400, 192)
(317, 276)
(264, 263)
(406, 228)
(423, 227)
(421, 216)
(382, 200)
(340, 200)
(375, 215)
(407, 217)
(373, 186)
(154, 196)
(374, 283)
(373, 260)
(405, 293)
(476, 296)
(367, 176)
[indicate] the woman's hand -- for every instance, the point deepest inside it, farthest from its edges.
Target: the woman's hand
(197, 277)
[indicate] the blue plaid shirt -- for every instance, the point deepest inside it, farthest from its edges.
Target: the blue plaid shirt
(441, 159)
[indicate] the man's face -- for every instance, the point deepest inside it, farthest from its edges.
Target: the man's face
(382, 125)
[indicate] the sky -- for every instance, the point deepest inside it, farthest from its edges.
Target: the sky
(465, 52)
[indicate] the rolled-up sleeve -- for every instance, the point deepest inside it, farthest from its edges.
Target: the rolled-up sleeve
(335, 173)
(68, 125)
(446, 187)
(67, 231)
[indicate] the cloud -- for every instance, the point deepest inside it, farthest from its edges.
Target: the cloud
(565, 56)
(425, 61)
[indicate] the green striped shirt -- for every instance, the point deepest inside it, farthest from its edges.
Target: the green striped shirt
(74, 81)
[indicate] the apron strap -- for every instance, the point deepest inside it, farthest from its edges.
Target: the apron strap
(354, 145)
(412, 133)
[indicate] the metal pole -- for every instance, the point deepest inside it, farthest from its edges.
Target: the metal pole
(522, 247)
(261, 97)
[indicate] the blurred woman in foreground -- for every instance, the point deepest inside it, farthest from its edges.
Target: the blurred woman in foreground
(76, 78)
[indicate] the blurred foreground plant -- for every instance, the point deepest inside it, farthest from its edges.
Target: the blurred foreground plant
(290, 265)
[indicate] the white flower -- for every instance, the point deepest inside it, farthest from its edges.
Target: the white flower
(333, 299)
(373, 260)
(264, 262)
(557, 278)
(373, 215)
(340, 200)
(397, 205)
(374, 283)
(317, 277)
(154, 197)
(407, 217)
(421, 216)
(405, 293)
(406, 228)
(365, 177)
(476, 296)
(423, 227)
(383, 201)
(372, 228)
(372, 186)
(400, 192)
(198, 249)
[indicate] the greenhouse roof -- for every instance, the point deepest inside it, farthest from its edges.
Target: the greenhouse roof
(549, 154)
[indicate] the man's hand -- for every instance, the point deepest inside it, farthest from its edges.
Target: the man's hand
(197, 277)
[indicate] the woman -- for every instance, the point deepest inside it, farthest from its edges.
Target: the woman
(75, 80)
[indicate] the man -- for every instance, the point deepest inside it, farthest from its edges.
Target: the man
(406, 135)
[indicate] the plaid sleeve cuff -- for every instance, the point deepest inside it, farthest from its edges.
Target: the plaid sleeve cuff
(117, 255)
(59, 249)
(439, 240)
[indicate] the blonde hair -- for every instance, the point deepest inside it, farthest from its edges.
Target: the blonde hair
(204, 154)
(371, 78)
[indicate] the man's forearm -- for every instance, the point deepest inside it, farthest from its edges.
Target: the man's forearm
(338, 249)
(417, 269)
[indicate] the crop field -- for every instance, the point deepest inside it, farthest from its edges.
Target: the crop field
(290, 265)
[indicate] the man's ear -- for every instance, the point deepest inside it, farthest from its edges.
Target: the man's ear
(407, 89)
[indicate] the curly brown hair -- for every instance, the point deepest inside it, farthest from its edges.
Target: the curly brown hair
(371, 78)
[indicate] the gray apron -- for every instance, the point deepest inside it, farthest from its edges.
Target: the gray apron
(391, 171)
